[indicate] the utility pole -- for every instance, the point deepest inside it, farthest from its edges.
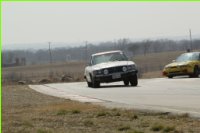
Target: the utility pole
(86, 51)
(191, 47)
(50, 56)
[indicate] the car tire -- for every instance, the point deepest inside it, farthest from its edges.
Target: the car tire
(134, 80)
(126, 82)
(195, 72)
(170, 76)
(95, 84)
(89, 84)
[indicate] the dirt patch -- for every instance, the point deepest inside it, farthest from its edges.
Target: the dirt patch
(27, 111)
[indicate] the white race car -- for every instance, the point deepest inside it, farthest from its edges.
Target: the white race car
(108, 67)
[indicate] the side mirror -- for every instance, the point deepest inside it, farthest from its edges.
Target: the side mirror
(173, 60)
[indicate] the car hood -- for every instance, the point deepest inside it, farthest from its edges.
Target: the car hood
(112, 64)
(174, 64)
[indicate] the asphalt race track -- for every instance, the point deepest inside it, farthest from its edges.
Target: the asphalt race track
(178, 95)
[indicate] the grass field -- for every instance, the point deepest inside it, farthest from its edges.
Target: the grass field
(27, 111)
(45, 71)
(150, 66)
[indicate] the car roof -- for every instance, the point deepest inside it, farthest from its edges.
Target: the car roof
(107, 52)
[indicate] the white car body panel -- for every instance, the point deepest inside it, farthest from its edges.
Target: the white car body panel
(112, 64)
(90, 69)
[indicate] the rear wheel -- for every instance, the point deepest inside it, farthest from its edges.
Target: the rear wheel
(134, 80)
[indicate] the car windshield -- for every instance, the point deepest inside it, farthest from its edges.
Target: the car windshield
(117, 56)
(187, 57)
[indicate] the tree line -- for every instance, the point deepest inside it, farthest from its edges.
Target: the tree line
(82, 53)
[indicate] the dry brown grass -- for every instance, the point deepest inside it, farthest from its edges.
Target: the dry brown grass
(153, 74)
(53, 72)
(27, 111)
(150, 66)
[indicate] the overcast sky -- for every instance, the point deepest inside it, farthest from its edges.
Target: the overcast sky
(67, 22)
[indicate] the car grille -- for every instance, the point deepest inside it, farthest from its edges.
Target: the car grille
(115, 69)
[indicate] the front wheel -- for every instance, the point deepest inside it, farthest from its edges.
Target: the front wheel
(95, 84)
(195, 72)
(134, 80)
(89, 84)
(126, 82)
(170, 76)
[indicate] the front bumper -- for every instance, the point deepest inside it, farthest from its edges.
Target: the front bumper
(110, 77)
(177, 71)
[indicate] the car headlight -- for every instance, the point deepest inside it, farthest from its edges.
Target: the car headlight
(124, 69)
(105, 71)
(97, 72)
(131, 67)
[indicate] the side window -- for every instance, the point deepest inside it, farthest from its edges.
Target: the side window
(196, 56)
(199, 57)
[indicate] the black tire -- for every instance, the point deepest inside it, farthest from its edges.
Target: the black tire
(89, 84)
(126, 82)
(195, 72)
(134, 80)
(170, 76)
(95, 84)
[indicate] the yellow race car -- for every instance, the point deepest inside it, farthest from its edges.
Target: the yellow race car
(185, 64)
